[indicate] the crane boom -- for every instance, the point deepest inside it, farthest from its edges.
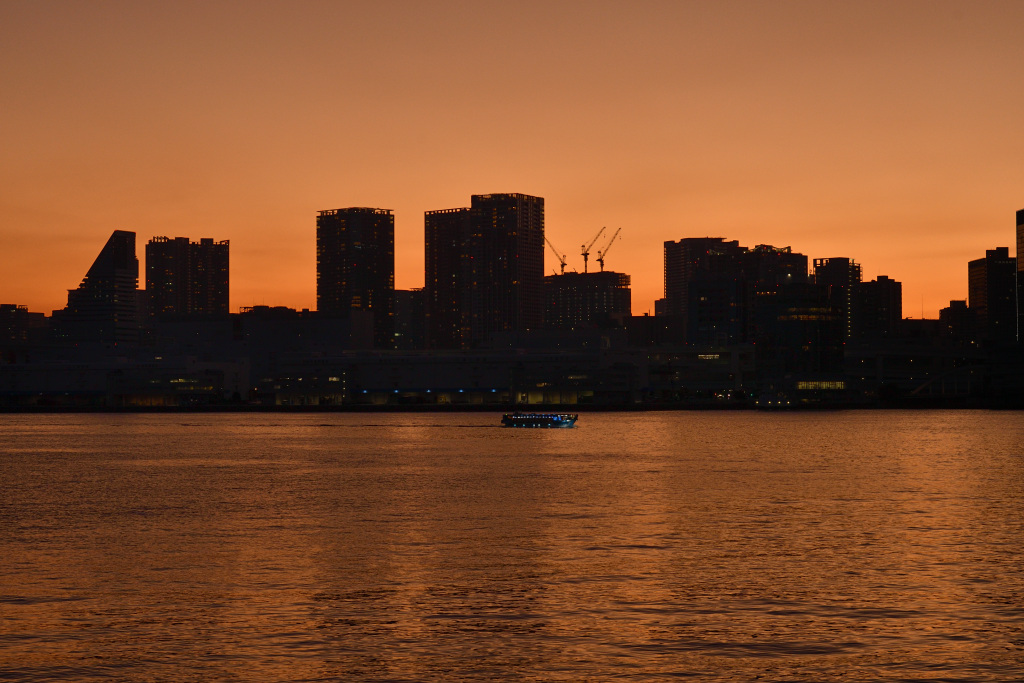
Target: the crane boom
(560, 257)
(602, 252)
(585, 249)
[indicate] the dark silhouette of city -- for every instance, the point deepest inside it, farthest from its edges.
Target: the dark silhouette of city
(187, 278)
(739, 327)
(355, 266)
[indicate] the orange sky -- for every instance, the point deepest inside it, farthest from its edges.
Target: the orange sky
(888, 132)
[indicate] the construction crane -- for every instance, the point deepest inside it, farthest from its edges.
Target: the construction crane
(602, 252)
(585, 249)
(560, 257)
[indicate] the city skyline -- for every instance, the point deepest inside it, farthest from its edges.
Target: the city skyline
(145, 266)
(882, 132)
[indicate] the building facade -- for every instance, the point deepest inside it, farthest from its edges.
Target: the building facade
(187, 278)
(355, 266)
(446, 277)
(104, 307)
(18, 325)
(956, 321)
(841, 277)
(1020, 277)
(992, 295)
(685, 261)
(410, 319)
(484, 269)
(878, 308)
(712, 286)
(580, 300)
(799, 332)
(506, 270)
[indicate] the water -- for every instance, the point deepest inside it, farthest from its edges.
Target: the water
(408, 547)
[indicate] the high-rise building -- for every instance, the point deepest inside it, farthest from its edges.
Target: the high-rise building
(506, 270)
(992, 294)
(878, 308)
(355, 266)
(684, 261)
(580, 300)
(713, 286)
(1020, 276)
(484, 269)
(840, 276)
(167, 275)
(187, 278)
(208, 277)
(446, 277)
(104, 306)
(730, 283)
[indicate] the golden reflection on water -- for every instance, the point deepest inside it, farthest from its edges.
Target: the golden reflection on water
(852, 546)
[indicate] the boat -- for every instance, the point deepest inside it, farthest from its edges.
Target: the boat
(518, 419)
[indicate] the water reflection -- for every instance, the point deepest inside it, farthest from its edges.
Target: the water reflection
(423, 547)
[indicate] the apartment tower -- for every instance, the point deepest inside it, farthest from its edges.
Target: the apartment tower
(187, 278)
(484, 269)
(355, 266)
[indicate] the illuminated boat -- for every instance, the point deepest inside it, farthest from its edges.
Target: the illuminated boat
(518, 419)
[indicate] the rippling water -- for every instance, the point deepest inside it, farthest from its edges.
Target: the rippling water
(406, 547)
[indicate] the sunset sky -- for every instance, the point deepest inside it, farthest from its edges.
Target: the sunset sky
(889, 132)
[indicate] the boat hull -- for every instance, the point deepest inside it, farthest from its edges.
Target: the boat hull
(539, 420)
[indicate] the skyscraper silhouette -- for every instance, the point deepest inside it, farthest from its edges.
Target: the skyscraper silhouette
(840, 276)
(355, 266)
(712, 286)
(185, 277)
(104, 306)
(685, 261)
(446, 277)
(878, 308)
(991, 294)
(484, 269)
(506, 264)
(1020, 277)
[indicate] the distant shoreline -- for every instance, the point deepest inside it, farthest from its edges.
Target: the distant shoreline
(818, 407)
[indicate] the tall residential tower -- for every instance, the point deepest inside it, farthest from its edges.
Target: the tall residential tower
(1020, 277)
(685, 261)
(187, 278)
(484, 269)
(355, 266)
(991, 294)
(446, 274)
(841, 276)
(507, 265)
